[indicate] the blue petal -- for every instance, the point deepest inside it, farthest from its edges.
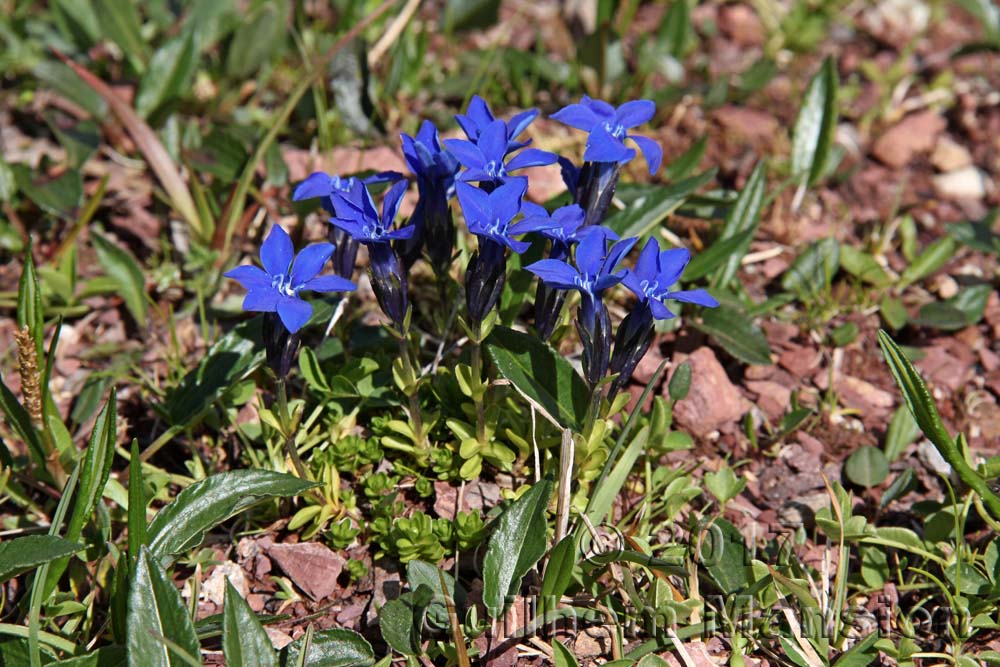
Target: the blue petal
(475, 176)
(317, 184)
(532, 224)
(276, 252)
(610, 280)
(493, 141)
(249, 276)
(698, 296)
(617, 252)
(602, 146)
(475, 204)
(591, 251)
(468, 126)
(633, 281)
(601, 109)
(390, 204)
(555, 273)
(672, 264)
(479, 112)
(294, 312)
(635, 113)
(466, 152)
(329, 283)
(516, 246)
(505, 201)
(353, 229)
(660, 311)
(428, 135)
(310, 262)
(519, 123)
(410, 154)
(577, 115)
(531, 157)
(533, 210)
(650, 150)
(264, 300)
(647, 267)
(382, 177)
(400, 234)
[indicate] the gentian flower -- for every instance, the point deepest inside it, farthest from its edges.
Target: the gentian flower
(484, 157)
(363, 223)
(593, 185)
(608, 129)
(595, 272)
(490, 217)
(567, 221)
(275, 290)
(329, 188)
(654, 274)
(435, 169)
(478, 117)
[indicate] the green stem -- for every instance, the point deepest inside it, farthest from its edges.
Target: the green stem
(412, 395)
(479, 397)
(286, 431)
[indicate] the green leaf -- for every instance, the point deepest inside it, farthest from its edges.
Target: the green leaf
(25, 553)
(401, 621)
(156, 613)
(59, 196)
(724, 484)
(63, 80)
(558, 573)
(255, 40)
(735, 332)
(742, 217)
(893, 312)
(469, 14)
(676, 30)
(244, 641)
(711, 259)
(337, 647)
(641, 217)
(930, 260)
(964, 309)
(861, 654)
(8, 185)
(420, 573)
(231, 359)
(562, 656)
(171, 71)
(686, 162)
(812, 272)
(867, 466)
(29, 305)
(812, 135)
(603, 495)
(724, 556)
(137, 537)
(120, 22)
(515, 546)
(652, 660)
(863, 266)
(680, 382)
(921, 405)
(122, 267)
(978, 235)
(541, 375)
(902, 431)
(182, 524)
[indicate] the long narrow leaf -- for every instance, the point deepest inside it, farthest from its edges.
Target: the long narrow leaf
(157, 613)
(743, 216)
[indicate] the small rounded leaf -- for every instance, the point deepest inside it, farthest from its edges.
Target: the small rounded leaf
(867, 467)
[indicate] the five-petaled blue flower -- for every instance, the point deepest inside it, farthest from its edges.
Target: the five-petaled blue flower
(275, 289)
(478, 117)
(484, 158)
(656, 272)
(490, 215)
(608, 128)
(362, 221)
(330, 187)
(595, 269)
(564, 222)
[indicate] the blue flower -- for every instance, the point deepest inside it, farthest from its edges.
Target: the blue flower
(562, 224)
(330, 187)
(361, 220)
(655, 272)
(428, 160)
(276, 287)
(489, 215)
(484, 158)
(478, 117)
(595, 270)
(608, 128)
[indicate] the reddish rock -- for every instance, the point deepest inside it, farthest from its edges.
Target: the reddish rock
(749, 123)
(712, 401)
(311, 566)
(799, 361)
(862, 395)
(741, 24)
(773, 398)
(915, 134)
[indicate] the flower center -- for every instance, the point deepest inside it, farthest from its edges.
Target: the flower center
(585, 283)
(649, 287)
(615, 130)
(283, 284)
(495, 169)
(497, 228)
